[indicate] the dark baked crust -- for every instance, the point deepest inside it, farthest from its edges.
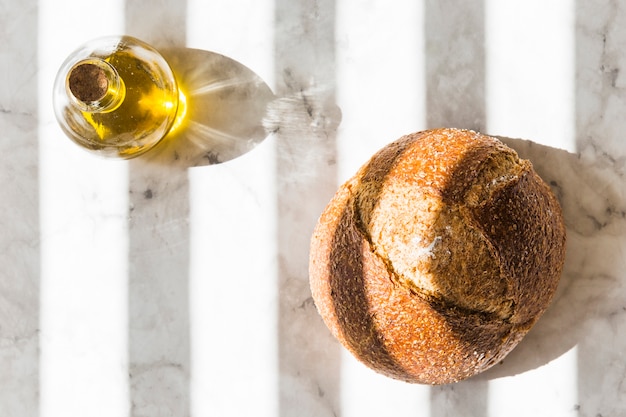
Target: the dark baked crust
(437, 257)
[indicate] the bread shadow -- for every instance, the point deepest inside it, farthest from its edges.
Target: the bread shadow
(588, 198)
(223, 105)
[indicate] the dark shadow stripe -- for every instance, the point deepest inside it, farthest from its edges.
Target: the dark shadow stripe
(159, 322)
(159, 251)
(455, 64)
(455, 85)
(161, 23)
(304, 120)
(20, 260)
(599, 228)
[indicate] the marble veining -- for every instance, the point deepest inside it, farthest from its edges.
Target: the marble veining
(176, 284)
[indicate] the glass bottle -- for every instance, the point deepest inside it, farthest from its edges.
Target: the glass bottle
(116, 96)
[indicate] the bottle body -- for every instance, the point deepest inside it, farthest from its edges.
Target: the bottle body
(116, 96)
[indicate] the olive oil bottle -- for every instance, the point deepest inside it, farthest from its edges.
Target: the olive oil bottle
(116, 96)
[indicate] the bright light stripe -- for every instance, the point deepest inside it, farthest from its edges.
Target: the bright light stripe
(239, 29)
(233, 288)
(380, 77)
(550, 390)
(365, 393)
(530, 69)
(232, 228)
(84, 240)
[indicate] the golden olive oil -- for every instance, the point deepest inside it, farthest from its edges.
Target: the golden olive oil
(119, 97)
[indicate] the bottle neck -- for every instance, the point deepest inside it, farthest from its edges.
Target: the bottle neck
(95, 86)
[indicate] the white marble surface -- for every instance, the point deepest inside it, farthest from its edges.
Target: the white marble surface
(135, 288)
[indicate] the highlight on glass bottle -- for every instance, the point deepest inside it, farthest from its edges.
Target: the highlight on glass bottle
(116, 96)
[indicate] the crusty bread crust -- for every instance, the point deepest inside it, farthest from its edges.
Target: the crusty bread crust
(437, 257)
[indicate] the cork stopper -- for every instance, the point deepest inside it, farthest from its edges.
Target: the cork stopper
(88, 82)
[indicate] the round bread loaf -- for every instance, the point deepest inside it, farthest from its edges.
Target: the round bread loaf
(437, 257)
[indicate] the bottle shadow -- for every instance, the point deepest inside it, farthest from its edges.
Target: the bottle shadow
(221, 111)
(587, 195)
